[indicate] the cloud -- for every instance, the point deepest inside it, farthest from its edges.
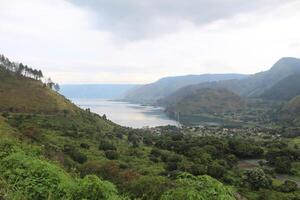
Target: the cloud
(139, 19)
(66, 40)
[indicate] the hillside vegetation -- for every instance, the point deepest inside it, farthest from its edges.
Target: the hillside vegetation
(82, 155)
(78, 154)
(291, 111)
(285, 89)
(22, 94)
(207, 100)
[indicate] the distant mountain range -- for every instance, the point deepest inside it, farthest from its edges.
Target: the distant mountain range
(150, 93)
(221, 93)
(101, 91)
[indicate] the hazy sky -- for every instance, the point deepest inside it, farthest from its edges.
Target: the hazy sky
(140, 41)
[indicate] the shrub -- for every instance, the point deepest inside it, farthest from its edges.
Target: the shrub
(84, 146)
(5, 114)
(29, 177)
(288, 186)
(191, 187)
(216, 170)
(35, 179)
(106, 145)
(30, 131)
(149, 187)
(111, 154)
(75, 154)
(90, 167)
(92, 187)
(110, 170)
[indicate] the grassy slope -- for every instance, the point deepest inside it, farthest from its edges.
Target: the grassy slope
(20, 94)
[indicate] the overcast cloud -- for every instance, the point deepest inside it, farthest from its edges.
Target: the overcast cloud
(139, 41)
(137, 19)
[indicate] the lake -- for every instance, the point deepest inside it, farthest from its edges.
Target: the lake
(126, 114)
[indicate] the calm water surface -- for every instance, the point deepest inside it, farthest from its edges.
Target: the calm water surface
(127, 114)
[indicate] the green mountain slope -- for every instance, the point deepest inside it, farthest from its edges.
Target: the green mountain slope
(22, 94)
(291, 111)
(150, 93)
(257, 84)
(285, 89)
(204, 103)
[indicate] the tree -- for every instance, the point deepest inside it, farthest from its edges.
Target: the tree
(282, 164)
(50, 83)
(56, 87)
(216, 170)
(20, 69)
(257, 179)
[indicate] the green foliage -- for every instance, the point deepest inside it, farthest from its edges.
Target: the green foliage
(282, 165)
(198, 188)
(34, 178)
(90, 167)
(245, 149)
(288, 186)
(149, 187)
(24, 176)
(106, 145)
(92, 187)
(111, 154)
(257, 179)
(75, 154)
(216, 170)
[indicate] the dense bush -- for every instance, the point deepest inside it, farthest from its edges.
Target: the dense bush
(191, 187)
(288, 186)
(34, 178)
(106, 145)
(149, 187)
(111, 154)
(92, 187)
(245, 149)
(84, 146)
(90, 167)
(29, 177)
(257, 179)
(75, 154)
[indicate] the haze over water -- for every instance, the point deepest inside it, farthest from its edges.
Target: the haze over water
(126, 114)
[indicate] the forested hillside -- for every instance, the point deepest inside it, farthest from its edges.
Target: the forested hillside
(207, 101)
(285, 89)
(150, 93)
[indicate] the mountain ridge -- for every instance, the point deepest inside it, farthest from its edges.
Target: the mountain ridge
(150, 93)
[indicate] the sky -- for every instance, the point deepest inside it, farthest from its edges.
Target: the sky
(140, 41)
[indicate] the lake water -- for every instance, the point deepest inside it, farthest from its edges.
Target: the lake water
(127, 114)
